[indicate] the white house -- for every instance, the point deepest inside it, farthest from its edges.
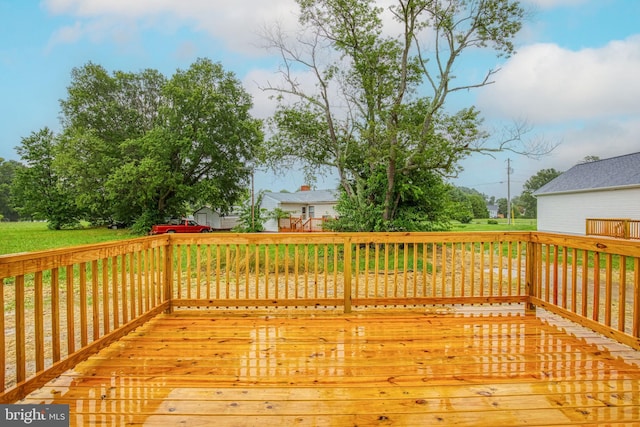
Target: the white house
(304, 204)
(207, 216)
(608, 188)
(493, 211)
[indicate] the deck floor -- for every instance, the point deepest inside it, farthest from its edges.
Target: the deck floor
(400, 368)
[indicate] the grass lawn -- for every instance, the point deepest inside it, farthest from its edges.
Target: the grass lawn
(18, 237)
(519, 224)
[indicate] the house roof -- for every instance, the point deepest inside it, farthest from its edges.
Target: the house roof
(615, 172)
(305, 197)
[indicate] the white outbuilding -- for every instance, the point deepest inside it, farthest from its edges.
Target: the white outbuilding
(608, 188)
(216, 220)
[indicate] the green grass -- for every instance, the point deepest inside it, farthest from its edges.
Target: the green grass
(519, 224)
(16, 237)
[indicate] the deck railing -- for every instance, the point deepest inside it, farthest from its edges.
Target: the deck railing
(301, 225)
(622, 228)
(61, 306)
(243, 270)
(594, 282)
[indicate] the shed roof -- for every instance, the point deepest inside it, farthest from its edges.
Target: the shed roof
(615, 172)
(305, 197)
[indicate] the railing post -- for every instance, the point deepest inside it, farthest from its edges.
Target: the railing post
(347, 275)
(626, 228)
(168, 271)
(531, 276)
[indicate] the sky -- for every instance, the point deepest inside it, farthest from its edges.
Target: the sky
(573, 81)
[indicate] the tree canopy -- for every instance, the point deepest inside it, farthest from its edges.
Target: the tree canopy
(534, 183)
(376, 113)
(38, 190)
(8, 170)
(137, 147)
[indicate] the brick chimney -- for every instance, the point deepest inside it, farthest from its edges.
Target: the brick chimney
(305, 187)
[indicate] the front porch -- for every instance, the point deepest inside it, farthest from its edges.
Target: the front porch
(327, 328)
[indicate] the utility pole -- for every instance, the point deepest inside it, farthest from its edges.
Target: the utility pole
(509, 191)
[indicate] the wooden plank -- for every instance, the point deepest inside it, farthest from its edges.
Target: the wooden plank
(3, 343)
(20, 326)
(502, 418)
(69, 303)
(622, 294)
(623, 392)
(259, 302)
(393, 367)
(30, 262)
(39, 322)
(632, 341)
(84, 331)
(602, 244)
(354, 405)
(33, 383)
(636, 298)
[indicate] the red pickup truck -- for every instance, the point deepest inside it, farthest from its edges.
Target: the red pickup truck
(180, 226)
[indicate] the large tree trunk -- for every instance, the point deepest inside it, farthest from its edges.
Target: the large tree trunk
(388, 196)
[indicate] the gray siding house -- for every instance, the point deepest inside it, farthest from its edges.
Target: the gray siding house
(608, 188)
(304, 204)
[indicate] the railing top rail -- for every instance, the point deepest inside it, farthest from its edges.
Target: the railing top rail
(30, 262)
(602, 244)
(364, 237)
(613, 219)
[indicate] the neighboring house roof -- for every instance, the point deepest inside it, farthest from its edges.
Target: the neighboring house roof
(616, 172)
(305, 197)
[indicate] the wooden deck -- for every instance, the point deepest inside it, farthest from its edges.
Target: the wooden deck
(497, 366)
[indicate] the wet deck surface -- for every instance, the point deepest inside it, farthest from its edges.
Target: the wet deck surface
(399, 368)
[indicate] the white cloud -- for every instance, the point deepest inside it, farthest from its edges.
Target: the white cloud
(549, 4)
(237, 23)
(68, 34)
(607, 138)
(263, 106)
(545, 83)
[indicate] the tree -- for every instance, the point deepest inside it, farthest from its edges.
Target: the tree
(502, 206)
(528, 201)
(460, 208)
(421, 206)
(478, 202)
(140, 147)
(38, 190)
(7, 174)
(251, 216)
(101, 112)
(367, 115)
(589, 159)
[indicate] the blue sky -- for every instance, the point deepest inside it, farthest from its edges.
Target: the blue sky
(574, 78)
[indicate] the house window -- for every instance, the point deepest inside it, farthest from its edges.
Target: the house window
(312, 212)
(304, 212)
